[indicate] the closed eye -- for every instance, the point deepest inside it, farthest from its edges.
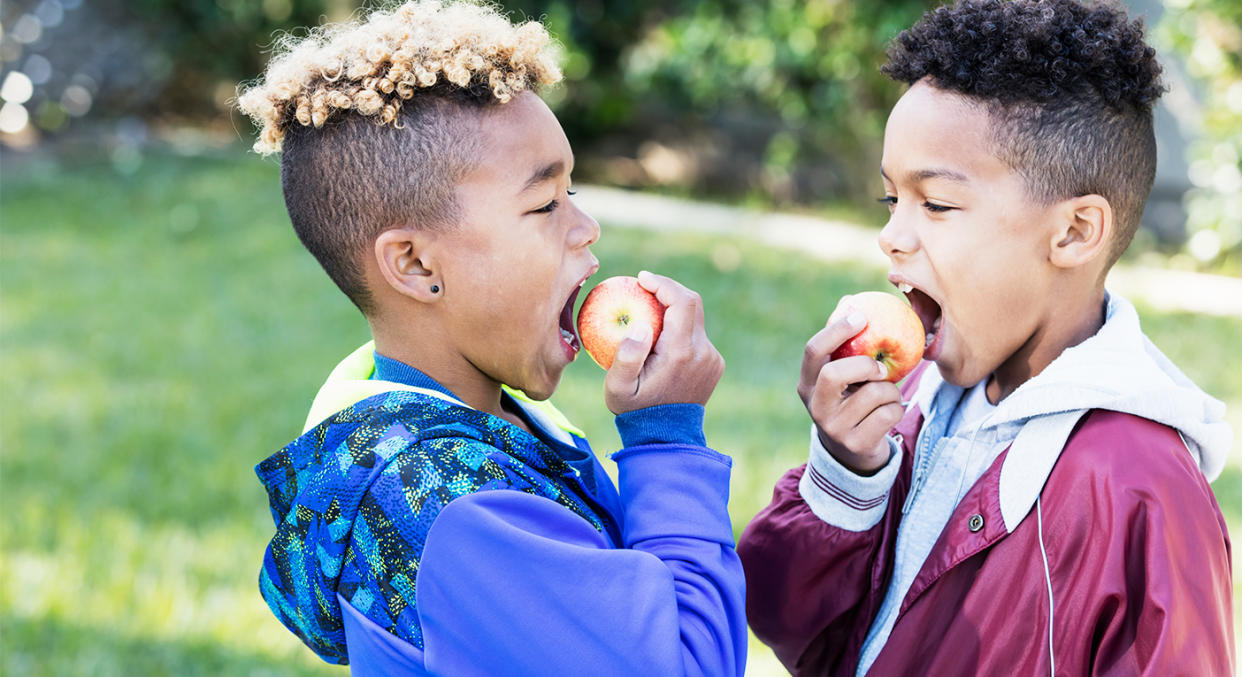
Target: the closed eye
(890, 200)
(548, 208)
(935, 208)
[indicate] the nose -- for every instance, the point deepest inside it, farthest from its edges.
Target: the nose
(585, 231)
(897, 238)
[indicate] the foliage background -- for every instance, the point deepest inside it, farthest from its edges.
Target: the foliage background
(1209, 34)
(154, 305)
(775, 103)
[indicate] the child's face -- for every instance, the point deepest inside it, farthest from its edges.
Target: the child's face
(965, 235)
(520, 252)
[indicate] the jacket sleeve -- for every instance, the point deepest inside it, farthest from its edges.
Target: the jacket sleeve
(512, 583)
(1150, 592)
(810, 558)
(1184, 624)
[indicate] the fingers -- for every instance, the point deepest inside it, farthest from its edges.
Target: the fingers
(627, 363)
(879, 422)
(683, 314)
(682, 366)
(854, 411)
(866, 401)
(827, 340)
(834, 377)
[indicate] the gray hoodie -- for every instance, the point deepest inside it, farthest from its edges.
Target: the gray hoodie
(1117, 369)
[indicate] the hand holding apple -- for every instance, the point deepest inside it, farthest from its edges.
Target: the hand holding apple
(849, 370)
(611, 311)
(894, 334)
(650, 363)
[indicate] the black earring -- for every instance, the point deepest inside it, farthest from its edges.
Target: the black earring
(435, 289)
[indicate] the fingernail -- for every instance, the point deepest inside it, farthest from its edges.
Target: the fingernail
(883, 369)
(643, 274)
(856, 320)
(640, 334)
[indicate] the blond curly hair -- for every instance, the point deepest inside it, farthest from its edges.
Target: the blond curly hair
(377, 121)
(371, 67)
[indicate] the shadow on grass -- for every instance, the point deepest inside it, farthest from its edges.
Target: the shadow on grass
(38, 647)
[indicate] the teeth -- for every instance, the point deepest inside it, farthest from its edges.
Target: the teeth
(568, 336)
(904, 288)
(931, 336)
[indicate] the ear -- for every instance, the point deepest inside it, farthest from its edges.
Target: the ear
(1083, 231)
(406, 259)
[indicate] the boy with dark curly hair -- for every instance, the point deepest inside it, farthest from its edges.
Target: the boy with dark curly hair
(437, 516)
(1034, 499)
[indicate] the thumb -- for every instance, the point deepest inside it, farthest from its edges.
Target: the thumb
(628, 362)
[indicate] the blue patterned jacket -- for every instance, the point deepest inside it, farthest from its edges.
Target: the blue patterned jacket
(416, 535)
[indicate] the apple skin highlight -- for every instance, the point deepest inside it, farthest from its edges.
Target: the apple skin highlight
(894, 335)
(610, 311)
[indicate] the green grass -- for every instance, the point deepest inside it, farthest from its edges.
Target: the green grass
(161, 333)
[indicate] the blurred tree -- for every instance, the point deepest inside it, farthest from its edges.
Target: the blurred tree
(1209, 34)
(781, 100)
(790, 89)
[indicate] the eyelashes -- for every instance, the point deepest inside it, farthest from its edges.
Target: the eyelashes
(551, 206)
(891, 201)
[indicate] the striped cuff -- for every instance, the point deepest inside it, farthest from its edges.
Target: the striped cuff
(841, 497)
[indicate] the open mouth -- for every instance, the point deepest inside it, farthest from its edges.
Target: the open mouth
(926, 308)
(569, 334)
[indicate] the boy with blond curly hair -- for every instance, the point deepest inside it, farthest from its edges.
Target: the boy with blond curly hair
(438, 516)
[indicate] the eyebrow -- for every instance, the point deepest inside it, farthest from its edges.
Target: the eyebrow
(544, 173)
(920, 175)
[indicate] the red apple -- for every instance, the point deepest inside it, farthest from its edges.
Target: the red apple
(611, 310)
(893, 336)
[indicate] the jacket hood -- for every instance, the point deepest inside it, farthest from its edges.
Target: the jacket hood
(316, 483)
(1117, 369)
(315, 486)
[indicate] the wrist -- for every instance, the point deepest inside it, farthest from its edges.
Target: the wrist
(841, 497)
(662, 424)
(863, 465)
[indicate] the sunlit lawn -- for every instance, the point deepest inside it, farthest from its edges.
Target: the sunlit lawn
(163, 332)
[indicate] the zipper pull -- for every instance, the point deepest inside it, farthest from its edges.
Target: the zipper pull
(914, 490)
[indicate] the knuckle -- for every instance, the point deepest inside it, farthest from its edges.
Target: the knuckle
(808, 354)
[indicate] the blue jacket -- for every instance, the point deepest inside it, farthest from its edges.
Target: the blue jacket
(415, 535)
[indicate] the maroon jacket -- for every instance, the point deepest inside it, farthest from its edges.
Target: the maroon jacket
(1137, 550)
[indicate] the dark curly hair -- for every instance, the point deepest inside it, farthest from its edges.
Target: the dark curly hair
(1069, 86)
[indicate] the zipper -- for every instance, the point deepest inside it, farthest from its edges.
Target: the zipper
(924, 457)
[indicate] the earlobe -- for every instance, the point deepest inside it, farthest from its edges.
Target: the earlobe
(406, 260)
(1085, 229)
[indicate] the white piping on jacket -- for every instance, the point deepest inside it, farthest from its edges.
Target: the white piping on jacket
(1039, 522)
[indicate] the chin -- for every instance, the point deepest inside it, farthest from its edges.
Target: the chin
(958, 377)
(541, 391)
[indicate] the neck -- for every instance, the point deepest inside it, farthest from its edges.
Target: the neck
(431, 355)
(1064, 327)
